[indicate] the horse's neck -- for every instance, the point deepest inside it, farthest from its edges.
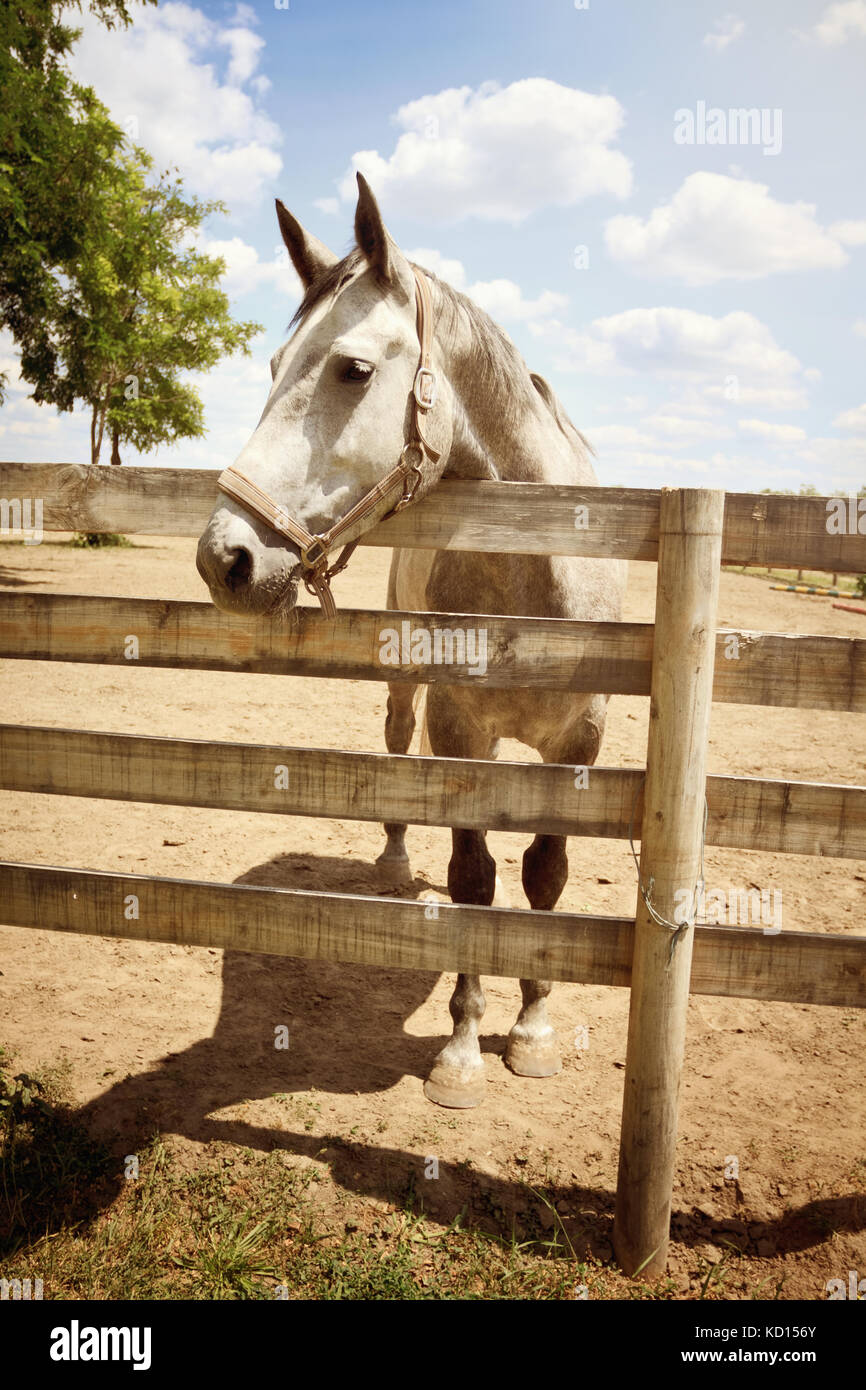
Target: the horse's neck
(514, 439)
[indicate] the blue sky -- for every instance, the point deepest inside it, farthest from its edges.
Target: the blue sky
(698, 305)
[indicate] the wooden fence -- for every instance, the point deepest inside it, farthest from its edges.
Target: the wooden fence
(681, 661)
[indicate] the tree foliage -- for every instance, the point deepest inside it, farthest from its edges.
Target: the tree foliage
(57, 145)
(101, 283)
(143, 307)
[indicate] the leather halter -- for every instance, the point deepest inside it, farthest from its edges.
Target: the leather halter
(314, 549)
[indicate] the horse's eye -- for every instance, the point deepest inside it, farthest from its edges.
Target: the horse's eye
(358, 371)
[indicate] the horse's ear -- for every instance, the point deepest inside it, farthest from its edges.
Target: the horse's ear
(384, 257)
(309, 255)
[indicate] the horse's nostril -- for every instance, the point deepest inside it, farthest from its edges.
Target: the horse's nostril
(239, 571)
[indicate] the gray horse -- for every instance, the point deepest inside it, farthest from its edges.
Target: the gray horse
(335, 421)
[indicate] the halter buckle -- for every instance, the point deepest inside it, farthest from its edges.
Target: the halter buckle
(425, 388)
(310, 561)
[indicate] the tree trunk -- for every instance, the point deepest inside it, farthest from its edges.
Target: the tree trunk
(115, 447)
(100, 428)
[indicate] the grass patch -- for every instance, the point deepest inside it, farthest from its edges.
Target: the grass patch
(97, 1222)
(243, 1225)
(98, 540)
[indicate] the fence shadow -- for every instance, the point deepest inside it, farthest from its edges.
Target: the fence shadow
(347, 1035)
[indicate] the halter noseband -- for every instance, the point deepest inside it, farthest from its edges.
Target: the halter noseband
(314, 549)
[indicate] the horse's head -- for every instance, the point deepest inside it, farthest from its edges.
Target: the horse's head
(341, 412)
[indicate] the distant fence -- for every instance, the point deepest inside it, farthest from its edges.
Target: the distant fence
(681, 661)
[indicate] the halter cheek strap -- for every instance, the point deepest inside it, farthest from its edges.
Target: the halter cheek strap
(314, 549)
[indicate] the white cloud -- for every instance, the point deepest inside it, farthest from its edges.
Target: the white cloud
(849, 233)
(666, 340)
(10, 367)
(617, 436)
(234, 394)
(244, 271)
(245, 48)
(37, 428)
(498, 153)
(724, 361)
(329, 205)
(717, 228)
(577, 350)
(726, 30)
(835, 465)
(658, 433)
(648, 468)
(774, 434)
(447, 268)
(852, 419)
(21, 416)
(839, 22)
(503, 300)
(159, 79)
(771, 397)
(677, 430)
(859, 327)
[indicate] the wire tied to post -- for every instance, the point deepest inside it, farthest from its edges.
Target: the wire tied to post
(678, 929)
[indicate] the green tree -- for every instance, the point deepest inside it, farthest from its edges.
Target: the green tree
(57, 146)
(143, 306)
(100, 282)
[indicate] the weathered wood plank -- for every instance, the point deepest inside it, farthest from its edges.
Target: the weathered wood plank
(544, 653)
(527, 518)
(541, 652)
(744, 812)
(743, 962)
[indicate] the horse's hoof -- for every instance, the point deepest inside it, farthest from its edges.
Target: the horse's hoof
(458, 1088)
(533, 1057)
(395, 872)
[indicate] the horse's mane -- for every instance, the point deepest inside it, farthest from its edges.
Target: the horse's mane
(554, 405)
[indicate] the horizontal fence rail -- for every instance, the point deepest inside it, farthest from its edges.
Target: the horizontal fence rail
(543, 653)
(743, 812)
(520, 518)
(743, 962)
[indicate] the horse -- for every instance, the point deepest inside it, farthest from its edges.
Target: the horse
(349, 394)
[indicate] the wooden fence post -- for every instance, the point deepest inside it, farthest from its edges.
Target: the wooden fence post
(689, 560)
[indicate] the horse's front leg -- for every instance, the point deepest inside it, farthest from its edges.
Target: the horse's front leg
(457, 1078)
(393, 862)
(532, 1046)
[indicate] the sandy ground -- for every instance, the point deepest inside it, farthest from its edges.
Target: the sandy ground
(182, 1038)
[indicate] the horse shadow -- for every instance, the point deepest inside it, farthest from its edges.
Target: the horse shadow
(239, 1063)
(346, 1035)
(344, 1024)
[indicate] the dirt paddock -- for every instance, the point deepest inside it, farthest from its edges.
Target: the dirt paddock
(182, 1038)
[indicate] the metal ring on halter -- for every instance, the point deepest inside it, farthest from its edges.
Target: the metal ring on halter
(415, 468)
